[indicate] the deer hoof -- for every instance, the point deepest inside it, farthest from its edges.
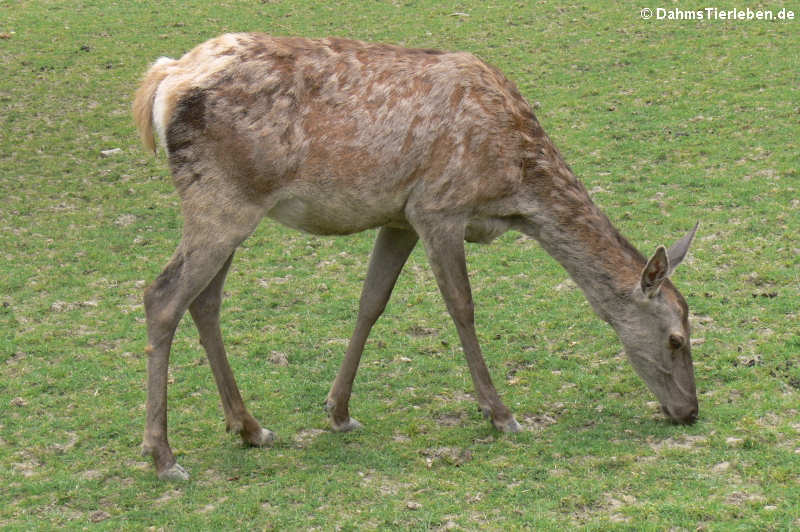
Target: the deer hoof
(347, 426)
(509, 425)
(176, 473)
(264, 438)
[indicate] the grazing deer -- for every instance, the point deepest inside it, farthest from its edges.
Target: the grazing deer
(336, 136)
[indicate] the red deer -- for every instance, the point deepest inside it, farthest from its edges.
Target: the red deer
(334, 137)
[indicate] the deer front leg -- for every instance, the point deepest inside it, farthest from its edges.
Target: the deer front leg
(390, 253)
(205, 313)
(444, 244)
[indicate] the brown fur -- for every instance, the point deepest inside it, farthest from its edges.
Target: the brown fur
(335, 136)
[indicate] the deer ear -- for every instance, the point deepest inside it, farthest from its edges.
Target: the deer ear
(655, 272)
(679, 249)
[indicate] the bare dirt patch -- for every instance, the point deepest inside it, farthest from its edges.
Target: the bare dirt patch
(385, 485)
(611, 506)
(168, 496)
(683, 442)
(537, 422)
(306, 437)
(451, 419)
(452, 456)
(99, 516)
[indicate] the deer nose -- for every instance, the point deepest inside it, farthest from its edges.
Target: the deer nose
(683, 414)
(691, 416)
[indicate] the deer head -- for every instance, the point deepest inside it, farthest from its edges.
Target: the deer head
(654, 328)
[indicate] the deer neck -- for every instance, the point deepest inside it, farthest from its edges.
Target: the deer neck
(571, 228)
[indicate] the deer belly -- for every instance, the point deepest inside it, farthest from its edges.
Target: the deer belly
(333, 216)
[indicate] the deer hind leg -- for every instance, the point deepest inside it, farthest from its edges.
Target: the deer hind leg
(444, 244)
(205, 313)
(392, 248)
(210, 236)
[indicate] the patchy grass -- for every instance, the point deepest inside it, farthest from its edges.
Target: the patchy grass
(667, 121)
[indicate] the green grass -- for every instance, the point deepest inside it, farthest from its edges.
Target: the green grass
(666, 122)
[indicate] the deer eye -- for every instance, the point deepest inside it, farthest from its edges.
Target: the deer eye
(676, 341)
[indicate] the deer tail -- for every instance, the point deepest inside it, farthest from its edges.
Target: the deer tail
(145, 98)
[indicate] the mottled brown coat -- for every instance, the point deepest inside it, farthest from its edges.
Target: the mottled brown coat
(335, 136)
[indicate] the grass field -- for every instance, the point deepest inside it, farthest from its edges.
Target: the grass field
(667, 122)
